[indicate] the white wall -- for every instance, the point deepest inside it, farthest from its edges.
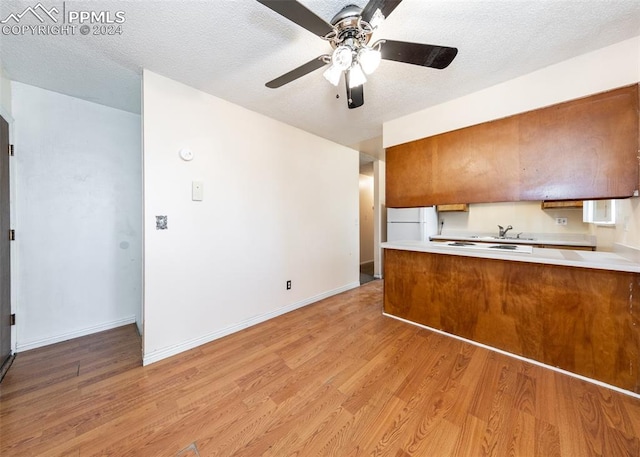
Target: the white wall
(78, 210)
(605, 69)
(627, 228)
(5, 95)
(380, 210)
(366, 219)
(279, 204)
(628, 225)
(526, 217)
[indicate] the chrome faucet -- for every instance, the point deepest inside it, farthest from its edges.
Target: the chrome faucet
(503, 231)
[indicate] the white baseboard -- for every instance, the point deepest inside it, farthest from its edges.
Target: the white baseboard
(519, 357)
(75, 334)
(161, 354)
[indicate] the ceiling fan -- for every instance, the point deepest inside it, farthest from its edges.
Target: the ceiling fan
(349, 35)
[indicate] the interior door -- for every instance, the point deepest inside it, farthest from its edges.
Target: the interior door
(5, 254)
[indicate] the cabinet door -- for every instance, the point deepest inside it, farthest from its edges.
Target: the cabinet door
(409, 177)
(581, 149)
(476, 164)
(478, 161)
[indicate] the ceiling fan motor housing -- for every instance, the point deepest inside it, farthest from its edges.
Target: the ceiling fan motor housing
(349, 29)
(349, 11)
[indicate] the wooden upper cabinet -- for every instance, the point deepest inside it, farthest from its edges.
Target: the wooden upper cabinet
(582, 149)
(409, 180)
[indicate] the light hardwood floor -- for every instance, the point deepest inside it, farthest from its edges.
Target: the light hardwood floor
(332, 379)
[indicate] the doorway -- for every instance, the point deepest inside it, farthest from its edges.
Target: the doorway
(5, 251)
(366, 222)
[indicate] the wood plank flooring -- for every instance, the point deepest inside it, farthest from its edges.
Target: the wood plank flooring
(332, 379)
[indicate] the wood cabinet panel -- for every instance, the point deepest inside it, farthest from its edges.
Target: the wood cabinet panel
(477, 161)
(409, 176)
(562, 204)
(456, 166)
(581, 320)
(463, 207)
(582, 149)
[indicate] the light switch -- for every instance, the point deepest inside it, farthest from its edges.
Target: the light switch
(197, 191)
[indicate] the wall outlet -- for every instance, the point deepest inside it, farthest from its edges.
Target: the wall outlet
(561, 221)
(289, 285)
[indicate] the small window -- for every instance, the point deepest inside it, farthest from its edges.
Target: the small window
(600, 212)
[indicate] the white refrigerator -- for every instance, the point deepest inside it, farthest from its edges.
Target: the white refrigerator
(411, 223)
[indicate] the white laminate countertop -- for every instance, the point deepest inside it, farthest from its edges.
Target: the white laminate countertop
(583, 259)
(548, 239)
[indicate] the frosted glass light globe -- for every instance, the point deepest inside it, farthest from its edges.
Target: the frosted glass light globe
(332, 74)
(342, 57)
(369, 59)
(356, 76)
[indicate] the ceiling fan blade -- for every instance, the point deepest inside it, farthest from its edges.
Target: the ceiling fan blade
(355, 96)
(298, 13)
(427, 55)
(385, 7)
(296, 73)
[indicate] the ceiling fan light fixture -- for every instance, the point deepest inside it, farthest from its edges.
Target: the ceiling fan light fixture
(369, 59)
(342, 58)
(356, 76)
(349, 33)
(332, 74)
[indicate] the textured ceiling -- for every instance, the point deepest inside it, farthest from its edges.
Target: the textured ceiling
(231, 48)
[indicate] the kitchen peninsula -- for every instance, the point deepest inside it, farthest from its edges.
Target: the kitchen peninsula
(576, 310)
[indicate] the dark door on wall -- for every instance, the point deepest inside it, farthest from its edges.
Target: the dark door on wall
(5, 254)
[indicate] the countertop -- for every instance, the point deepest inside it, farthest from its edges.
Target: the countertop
(547, 239)
(626, 259)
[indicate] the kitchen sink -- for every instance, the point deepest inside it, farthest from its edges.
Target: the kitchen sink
(510, 247)
(465, 245)
(507, 238)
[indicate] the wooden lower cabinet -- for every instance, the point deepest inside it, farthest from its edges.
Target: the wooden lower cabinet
(582, 320)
